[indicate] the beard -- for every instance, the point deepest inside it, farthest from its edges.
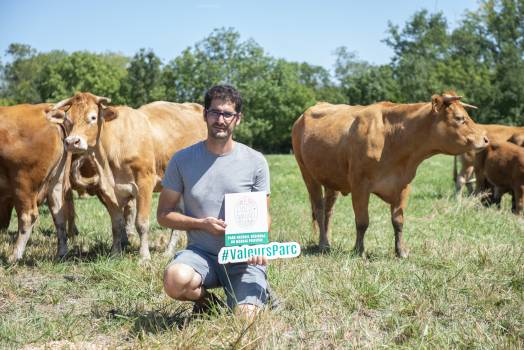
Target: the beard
(219, 131)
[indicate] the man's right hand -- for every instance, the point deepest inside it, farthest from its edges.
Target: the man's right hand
(214, 226)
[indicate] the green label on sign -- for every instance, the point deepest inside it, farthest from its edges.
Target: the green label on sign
(246, 238)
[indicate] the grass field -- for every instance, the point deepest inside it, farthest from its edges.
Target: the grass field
(461, 287)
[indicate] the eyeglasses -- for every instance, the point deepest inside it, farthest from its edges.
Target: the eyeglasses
(215, 114)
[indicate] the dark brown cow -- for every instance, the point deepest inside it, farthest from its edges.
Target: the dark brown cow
(499, 134)
(119, 144)
(375, 149)
(467, 175)
(503, 167)
(32, 165)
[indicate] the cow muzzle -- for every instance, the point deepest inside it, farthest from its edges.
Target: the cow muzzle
(479, 143)
(75, 144)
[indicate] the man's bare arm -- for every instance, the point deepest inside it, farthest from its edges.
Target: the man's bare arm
(168, 217)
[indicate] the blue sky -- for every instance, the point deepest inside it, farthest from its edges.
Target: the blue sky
(295, 30)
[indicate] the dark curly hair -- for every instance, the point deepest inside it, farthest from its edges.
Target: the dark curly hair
(226, 93)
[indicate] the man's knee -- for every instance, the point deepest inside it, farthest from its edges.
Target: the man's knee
(179, 279)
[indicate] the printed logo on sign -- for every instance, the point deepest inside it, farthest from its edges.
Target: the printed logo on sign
(246, 212)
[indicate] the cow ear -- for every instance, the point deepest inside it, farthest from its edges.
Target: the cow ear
(437, 102)
(55, 116)
(109, 113)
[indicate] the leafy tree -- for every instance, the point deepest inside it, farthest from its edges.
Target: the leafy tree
(99, 74)
(420, 50)
(362, 83)
(221, 57)
(143, 83)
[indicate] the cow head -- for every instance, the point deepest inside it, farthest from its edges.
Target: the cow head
(453, 128)
(86, 114)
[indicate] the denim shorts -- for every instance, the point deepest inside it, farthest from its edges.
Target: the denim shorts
(242, 283)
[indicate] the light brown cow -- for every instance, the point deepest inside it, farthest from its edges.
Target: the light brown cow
(375, 149)
(174, 126)
(503, 167)
(32, 166)
(466, 175)
(119, 143)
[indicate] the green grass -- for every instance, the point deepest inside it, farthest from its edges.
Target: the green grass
(461, 287)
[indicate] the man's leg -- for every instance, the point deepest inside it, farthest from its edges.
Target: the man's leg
(188, 275)
(246, 288)
(182, 282)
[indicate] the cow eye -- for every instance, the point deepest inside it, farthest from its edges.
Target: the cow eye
(92, 118)
(460, 120)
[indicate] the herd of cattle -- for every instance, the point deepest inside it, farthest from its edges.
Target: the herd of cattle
(120, 154)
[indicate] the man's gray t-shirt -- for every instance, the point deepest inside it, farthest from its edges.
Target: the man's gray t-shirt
(204, 178)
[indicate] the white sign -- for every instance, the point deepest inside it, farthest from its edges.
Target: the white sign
(246, 218)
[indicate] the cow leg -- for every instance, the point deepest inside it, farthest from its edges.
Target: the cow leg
(360, 201)
(175, 235)
(173, 241)
(316, 200)
(518, 197)
(130, 217)
(470, 179)
(143, 203)
(330, 197)
(117, 227)
(27, 211)
(6, 207)
(496, 197)
(58, 211)
(317, 211)
(397, 219)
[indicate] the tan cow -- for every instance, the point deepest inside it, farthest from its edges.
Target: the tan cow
(32, 166)
(376, 149)
(119, 143)
(174, 126)
(503, 167)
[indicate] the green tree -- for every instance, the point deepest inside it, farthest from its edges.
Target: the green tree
(100, 74)
(420, 50)
(362, 83)
(143, 83)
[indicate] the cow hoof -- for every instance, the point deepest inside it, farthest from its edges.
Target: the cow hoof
(324, 248)
(124, 244)
(60, 255)
(116, 252)
(12, 259)
(403, 254)
(359, 253)
(144, 261)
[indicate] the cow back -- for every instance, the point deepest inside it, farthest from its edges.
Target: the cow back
(174, 126)
(31, 146)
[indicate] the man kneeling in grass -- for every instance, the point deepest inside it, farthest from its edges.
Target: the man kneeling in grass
(202, 174)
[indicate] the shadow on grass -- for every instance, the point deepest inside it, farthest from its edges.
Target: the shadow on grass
(312, 249)
(75, 254)
(338, 251)
(150, 322)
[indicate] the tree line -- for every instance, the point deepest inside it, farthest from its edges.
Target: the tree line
(481, 59)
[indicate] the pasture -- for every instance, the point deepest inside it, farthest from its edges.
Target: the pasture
(461, 287)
